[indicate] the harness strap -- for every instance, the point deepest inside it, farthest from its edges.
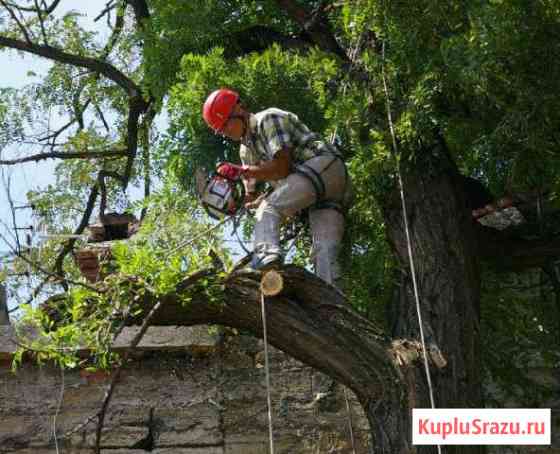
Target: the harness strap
(329, 204)
(315, 178)
(318, 184)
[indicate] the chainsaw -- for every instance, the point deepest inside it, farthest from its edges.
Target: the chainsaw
(222, 193)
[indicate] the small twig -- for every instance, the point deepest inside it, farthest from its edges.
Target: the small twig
(102, 117)
(42, 23)
(19, 24)
(50, 274)
(200, 235)
(56, 133)
(13, 212)
(108, 7)
(79, 427)
(65, 155)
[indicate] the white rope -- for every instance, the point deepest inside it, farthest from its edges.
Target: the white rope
(60, 399)
(350, 425)
(408, 241)
(267, 373)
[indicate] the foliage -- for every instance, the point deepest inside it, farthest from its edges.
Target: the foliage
(153, 263)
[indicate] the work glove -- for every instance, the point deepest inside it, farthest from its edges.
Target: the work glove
(229, 170)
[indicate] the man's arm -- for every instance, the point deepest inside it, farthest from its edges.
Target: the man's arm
(275, 169)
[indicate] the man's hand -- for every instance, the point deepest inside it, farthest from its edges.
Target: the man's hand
(253, 200)
(251, 171)
(229, 170)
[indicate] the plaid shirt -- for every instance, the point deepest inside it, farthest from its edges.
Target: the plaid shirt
(272, 130)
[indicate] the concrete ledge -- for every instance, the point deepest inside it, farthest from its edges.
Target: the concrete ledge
(195, 339)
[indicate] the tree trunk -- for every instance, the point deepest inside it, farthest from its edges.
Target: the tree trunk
(445, 257)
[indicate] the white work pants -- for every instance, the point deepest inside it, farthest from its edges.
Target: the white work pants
(296, 193)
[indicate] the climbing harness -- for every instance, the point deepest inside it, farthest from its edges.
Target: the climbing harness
(316, 180)
(407, 230)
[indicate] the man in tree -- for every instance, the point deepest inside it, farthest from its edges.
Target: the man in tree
(305, 171)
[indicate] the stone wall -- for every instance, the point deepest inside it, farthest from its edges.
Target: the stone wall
(185, 392)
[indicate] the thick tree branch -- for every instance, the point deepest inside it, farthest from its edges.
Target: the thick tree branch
(315, 25)
(260, 38)
(508, 252)
(141, 11)
(61, 56)
(69, 245)
(136, 107)
(63, 155)
(310, 321)
(146, 158)
(48, 10)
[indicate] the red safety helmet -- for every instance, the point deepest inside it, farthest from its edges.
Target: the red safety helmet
(218, 108)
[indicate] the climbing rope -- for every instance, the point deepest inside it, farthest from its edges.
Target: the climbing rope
(350, 425)
(60, 400)
(267, 374)
(407, 230)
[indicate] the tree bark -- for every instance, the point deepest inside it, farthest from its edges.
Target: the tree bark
(444, 251)
(61, 56)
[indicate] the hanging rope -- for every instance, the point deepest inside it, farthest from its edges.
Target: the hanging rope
(267, 374)
(350, 424)
(60, 400)
(407, 230)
